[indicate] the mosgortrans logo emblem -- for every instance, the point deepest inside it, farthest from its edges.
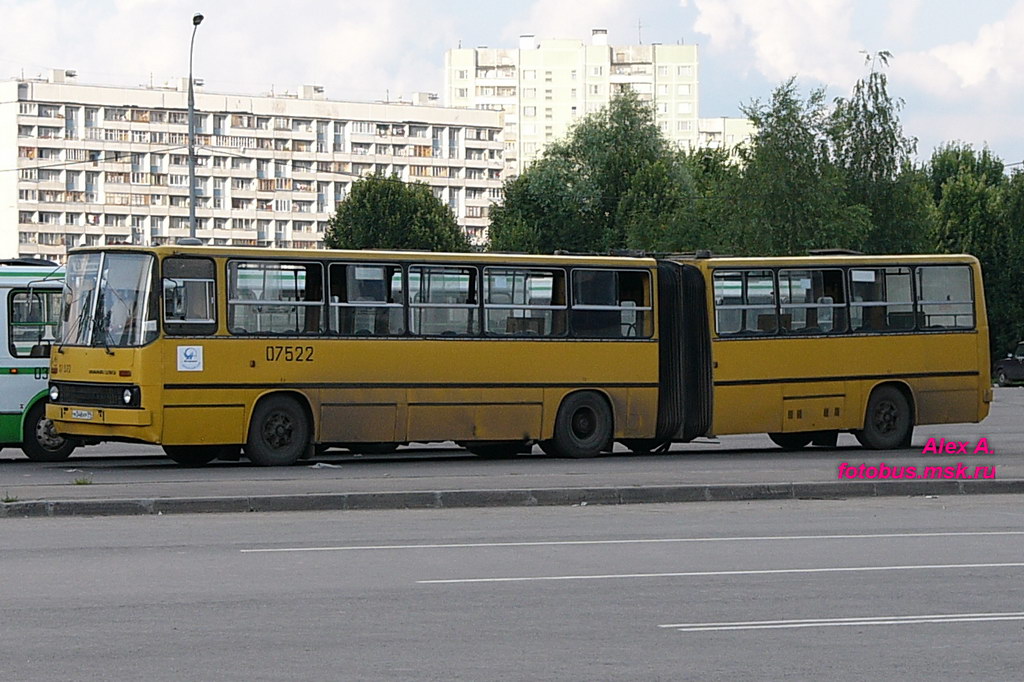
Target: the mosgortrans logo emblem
(190, 358)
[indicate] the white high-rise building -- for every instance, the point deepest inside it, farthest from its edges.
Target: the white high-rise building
(87, 164)
(544, 87)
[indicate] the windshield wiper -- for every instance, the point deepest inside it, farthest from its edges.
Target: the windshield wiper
(101, 325)
(83, 315)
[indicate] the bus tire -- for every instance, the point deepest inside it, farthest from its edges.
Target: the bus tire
(198, 455)
(791, 441)
(279, 432)
(40, 440)
(583, 426)
(888, 423)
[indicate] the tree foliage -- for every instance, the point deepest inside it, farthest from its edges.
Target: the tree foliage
(877, 161)
(604, 187)
(981, 212)
(792, 197)
(549, 207)
(953, 157)
(386, 213)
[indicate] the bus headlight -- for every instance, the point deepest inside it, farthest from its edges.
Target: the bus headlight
(54, 394)
(127, 396)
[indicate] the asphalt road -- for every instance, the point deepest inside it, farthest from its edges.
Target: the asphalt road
(122, 472)
(895, 588)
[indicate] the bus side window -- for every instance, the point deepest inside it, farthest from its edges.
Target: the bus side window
(189, 296)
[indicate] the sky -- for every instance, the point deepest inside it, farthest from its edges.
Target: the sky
(958, 66)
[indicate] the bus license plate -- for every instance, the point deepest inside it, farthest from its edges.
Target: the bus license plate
(81, 414)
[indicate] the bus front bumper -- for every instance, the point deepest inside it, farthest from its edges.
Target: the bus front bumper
(102, 422)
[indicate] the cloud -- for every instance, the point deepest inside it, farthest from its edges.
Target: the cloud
(989, 66)
(783, 38)
(240, 47)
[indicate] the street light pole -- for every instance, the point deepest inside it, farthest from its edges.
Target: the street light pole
(196, 20)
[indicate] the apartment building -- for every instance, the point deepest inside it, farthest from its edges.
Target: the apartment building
(543, 87)
(89, 164)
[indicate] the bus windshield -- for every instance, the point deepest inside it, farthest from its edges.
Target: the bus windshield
(108, 300)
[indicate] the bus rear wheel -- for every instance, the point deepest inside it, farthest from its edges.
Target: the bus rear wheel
(888, 423)
(279, 432)
(583, 427)
(40, 440)
(198, 455)
(791, 441)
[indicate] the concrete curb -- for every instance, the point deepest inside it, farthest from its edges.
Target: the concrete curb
(451, 499)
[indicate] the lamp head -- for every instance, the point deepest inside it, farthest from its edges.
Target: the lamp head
(197, 19)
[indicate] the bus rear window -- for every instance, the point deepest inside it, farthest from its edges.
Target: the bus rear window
(945, 298)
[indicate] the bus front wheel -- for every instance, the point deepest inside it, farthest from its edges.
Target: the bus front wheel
(40, 440)
(583, 427)
(791, 441)
(279, 432)
(888, 423)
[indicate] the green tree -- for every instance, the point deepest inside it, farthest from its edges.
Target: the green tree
(603, 187)
(949, 159)
(386, 213)
(791, 196)
(549, 207)
(1003, 275)
(717, 182)
(875, 157)
(984, 218)
(657, 212)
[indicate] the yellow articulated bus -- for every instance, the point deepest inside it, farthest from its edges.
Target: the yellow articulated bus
(216, 352)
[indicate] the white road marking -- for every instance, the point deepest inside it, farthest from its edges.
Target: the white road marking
(694, 574)
(841, 622)
(752, 538)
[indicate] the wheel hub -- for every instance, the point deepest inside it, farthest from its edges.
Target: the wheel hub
(584, 423)
(278, 431)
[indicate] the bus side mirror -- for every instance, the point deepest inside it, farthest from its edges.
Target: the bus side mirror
(40, 350)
